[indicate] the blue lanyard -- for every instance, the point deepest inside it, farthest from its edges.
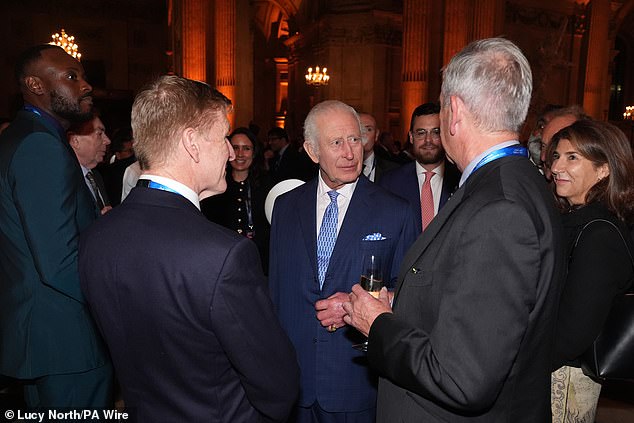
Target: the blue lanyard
(32, 109)
(511, 150)
(156, 185)
(47, 117)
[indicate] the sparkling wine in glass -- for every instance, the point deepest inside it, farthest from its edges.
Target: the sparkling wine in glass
(371, 281)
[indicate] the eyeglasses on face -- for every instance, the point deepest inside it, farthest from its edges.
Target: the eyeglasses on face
(421, 134)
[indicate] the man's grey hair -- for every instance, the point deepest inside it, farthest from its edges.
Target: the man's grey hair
(311, 130)
(575, 110)
(493, 78)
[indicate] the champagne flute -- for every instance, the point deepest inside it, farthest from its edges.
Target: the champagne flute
(371, 281)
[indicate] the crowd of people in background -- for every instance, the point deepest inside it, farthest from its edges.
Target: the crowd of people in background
(145, 259)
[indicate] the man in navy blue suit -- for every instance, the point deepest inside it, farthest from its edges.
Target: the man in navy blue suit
(309, 281)
(408, 181)
(182, 302)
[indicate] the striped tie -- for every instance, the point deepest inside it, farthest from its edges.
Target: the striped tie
(327, 236)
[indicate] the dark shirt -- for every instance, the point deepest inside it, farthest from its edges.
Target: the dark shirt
(292, 164)
(241, 208)
(113, 178)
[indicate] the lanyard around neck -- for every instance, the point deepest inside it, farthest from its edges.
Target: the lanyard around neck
(512, 150)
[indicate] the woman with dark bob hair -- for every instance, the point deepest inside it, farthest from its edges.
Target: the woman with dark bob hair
(593, 178)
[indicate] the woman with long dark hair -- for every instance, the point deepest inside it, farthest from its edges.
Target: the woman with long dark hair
(593, 179)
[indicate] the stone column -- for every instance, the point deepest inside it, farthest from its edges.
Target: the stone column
(225, 43)
(416, 48)
(596, 92)
(194, 36)
(457, 27)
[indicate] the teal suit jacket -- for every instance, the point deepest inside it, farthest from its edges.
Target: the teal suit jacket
(45, 326)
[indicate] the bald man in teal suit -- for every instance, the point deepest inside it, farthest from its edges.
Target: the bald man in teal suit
(47, 337)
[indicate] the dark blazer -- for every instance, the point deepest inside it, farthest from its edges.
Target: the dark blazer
(382, 166)
(113, 178)
(403, 182)
(229, 209)
(599, 269)
(293, 164)
(184, 308)
(45, 326)
(474, 312)
(332, 372)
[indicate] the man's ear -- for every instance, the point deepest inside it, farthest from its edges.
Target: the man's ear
(190, 143)
(308, 146)
(34, 85)
(73, 140)
(456, 113)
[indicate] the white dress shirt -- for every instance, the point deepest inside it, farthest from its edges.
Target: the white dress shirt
(369, 167)
(343, 201)
(181, 189)
(130, 176)
(436, 182)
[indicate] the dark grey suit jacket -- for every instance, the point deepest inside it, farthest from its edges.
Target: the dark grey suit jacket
(472, 330)
(185, 310)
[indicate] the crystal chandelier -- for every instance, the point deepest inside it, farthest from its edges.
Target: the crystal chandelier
(317, 78)
(629, 113)
(67, 43)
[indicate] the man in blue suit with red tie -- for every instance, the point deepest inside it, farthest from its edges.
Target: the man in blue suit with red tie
(317, 243)
(428, 182)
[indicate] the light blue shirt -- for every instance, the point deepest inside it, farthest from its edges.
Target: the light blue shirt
(473, 163)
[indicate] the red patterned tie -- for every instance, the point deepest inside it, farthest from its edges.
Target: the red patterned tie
(427, 200)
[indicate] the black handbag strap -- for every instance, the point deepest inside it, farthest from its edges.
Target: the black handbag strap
(618, 231)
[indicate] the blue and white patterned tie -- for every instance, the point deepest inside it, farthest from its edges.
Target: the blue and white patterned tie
(327, 236)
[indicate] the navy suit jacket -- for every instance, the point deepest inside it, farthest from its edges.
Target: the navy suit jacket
(332, 372)
(184, 308)
(403, 182)
(45, 326)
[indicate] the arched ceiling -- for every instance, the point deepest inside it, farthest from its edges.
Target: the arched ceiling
(272, 16)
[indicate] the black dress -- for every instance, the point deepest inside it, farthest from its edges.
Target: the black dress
(599, 269)
(241, 208)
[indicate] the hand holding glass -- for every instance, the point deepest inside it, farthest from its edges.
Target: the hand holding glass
(371, 281)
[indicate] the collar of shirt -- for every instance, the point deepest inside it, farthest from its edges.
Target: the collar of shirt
(473, 163)
(182, 189)
(368, 166)
(343, 201)
(282, 150)
(436, 182)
